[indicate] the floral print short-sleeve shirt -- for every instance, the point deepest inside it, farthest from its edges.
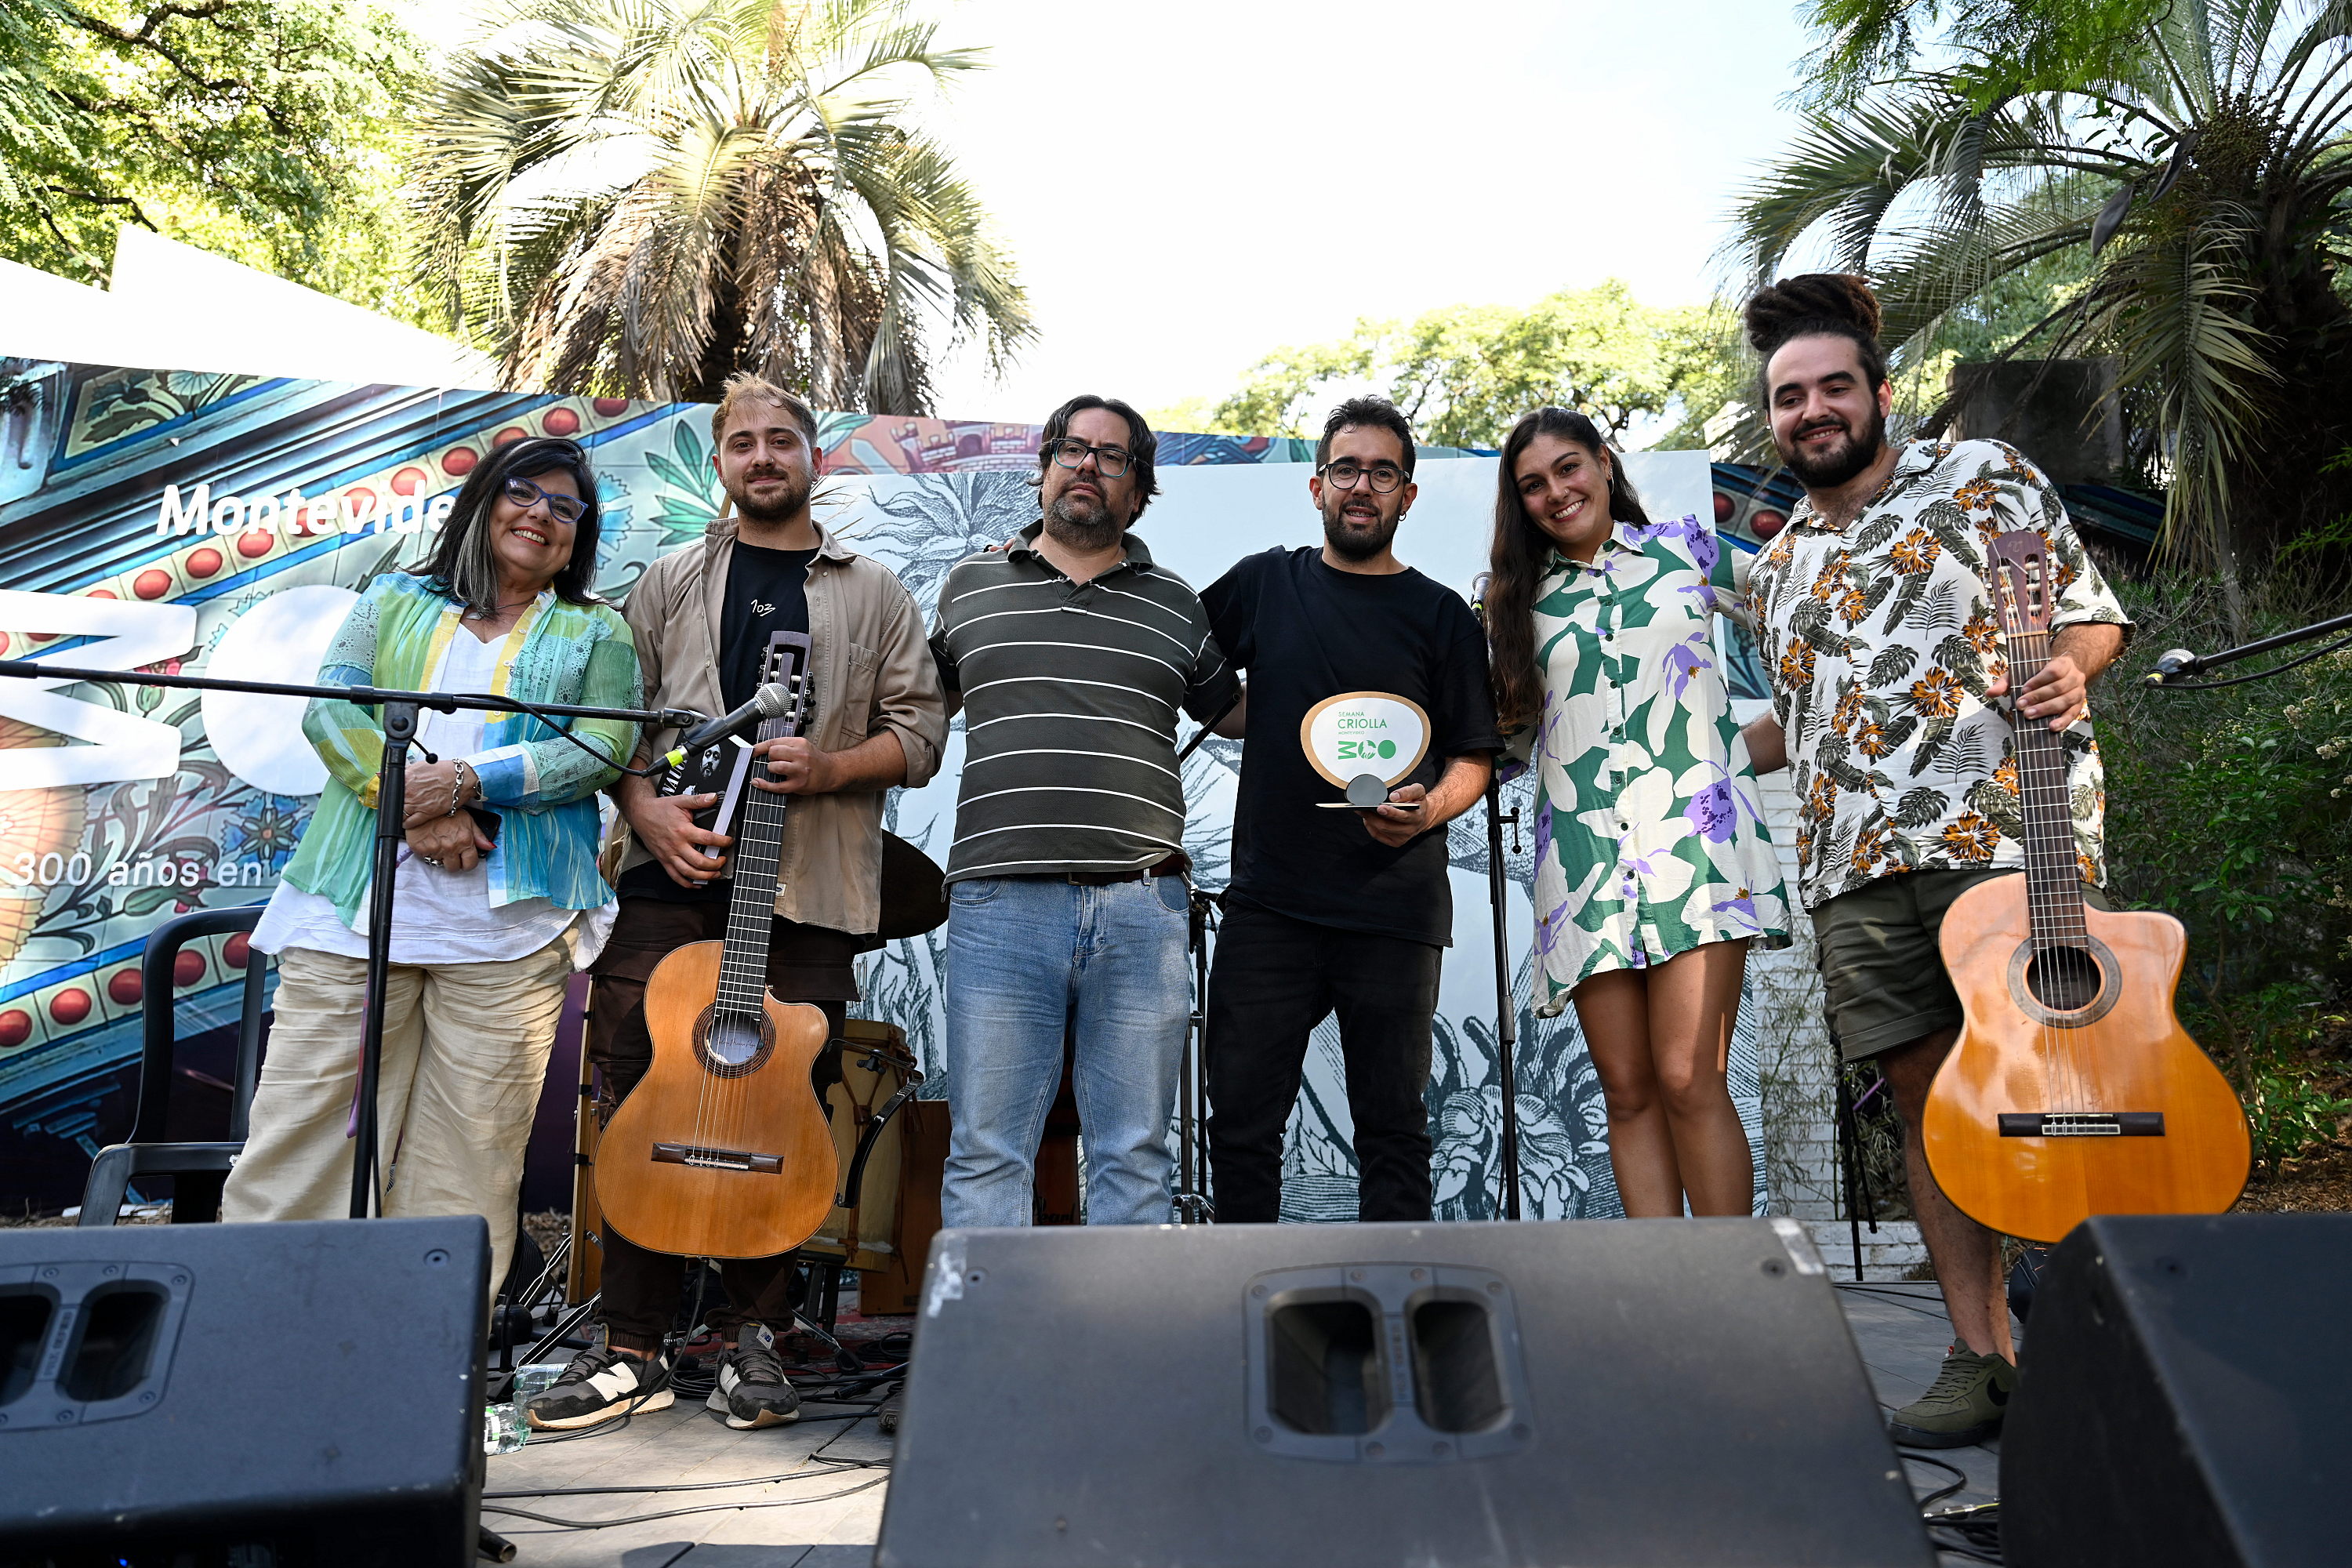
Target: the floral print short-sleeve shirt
(1648, 838)
(1880, 640)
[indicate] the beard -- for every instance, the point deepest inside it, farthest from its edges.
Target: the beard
(1840, 462)
(1355, 543)
(1082, 523)
(791, 498)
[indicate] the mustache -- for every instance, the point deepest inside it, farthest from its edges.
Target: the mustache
(1832, 422)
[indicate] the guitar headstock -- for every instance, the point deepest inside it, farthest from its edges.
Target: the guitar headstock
(786, 664)
(2024, 589)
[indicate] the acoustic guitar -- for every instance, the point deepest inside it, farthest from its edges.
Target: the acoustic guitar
(722, 1150)
(2073, 1090)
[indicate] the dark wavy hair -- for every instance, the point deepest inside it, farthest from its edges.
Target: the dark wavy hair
(461, 566)
(1141, 441)
(1516, 557)
(1815, 304)
(1370, 413)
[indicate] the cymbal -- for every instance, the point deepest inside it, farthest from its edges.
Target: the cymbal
(914, 891)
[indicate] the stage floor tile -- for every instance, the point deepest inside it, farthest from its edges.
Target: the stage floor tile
(1900, 1328)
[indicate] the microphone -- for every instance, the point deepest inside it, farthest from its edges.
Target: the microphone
(768, 702)
(2174, 665)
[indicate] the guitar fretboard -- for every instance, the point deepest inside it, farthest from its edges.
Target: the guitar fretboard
(758, 848)
(2054, 880)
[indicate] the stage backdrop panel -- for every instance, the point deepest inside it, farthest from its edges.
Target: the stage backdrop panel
(221, 524)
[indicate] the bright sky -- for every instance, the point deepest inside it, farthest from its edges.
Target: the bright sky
(1227, 176)
(1186, 187)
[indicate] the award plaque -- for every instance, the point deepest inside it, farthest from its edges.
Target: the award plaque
(1365, 743)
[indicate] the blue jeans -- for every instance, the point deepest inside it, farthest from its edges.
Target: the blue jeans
(1029, 958)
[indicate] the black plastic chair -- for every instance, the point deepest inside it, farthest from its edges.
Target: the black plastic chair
(198, 1170)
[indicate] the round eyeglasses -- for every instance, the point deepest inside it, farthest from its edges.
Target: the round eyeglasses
(1109, 461)
(563, 509)
(1345, 472)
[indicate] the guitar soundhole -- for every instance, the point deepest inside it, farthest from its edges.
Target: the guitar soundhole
(733, 1043)
(2067, 987)
(2063, 979)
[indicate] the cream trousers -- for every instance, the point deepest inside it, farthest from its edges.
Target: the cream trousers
(464, 1053)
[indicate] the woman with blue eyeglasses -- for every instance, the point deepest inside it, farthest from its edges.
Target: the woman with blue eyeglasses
(499, 897)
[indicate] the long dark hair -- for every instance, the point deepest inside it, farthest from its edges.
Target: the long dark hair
(1515, 561)
(461, 564)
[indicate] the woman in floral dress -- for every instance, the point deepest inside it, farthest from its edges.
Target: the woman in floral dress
(1654, 870)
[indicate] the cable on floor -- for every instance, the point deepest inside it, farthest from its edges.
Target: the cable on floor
(675, 1513)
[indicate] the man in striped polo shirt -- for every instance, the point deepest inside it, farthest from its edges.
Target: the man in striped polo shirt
(1070, 653)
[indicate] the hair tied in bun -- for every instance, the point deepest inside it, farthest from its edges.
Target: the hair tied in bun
(1834, 304)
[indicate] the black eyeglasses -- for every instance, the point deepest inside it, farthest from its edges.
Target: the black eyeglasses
(1346, 471)
(1109, 461)
(563, 509)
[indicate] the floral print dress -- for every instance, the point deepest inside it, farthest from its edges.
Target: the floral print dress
(1650, 840)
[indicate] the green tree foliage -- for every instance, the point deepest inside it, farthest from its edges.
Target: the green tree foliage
(644, 197)
(1464, 374)
(262, 130)
(2037, 45)
(2188, 160)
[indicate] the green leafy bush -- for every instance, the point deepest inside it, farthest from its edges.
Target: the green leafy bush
(2232, 809)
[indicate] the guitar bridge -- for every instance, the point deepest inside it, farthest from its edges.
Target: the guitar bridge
(2082, 1124)
(711, 1159)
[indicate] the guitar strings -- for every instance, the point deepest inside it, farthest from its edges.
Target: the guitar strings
(2026, 659)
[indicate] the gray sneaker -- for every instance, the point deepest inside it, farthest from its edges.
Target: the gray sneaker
(1963, 1406)
(601, 1384)
(751, 1389)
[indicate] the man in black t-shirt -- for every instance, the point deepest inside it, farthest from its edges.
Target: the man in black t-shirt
(1333, 910)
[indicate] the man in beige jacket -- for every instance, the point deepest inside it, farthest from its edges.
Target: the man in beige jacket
(701, 617)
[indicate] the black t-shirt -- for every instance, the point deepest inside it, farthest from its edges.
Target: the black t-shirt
(1305, 632)
(767, 591)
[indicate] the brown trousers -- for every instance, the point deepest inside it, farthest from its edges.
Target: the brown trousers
(643, 1289)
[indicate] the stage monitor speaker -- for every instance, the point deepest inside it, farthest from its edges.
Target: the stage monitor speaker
(2185, 1397)
(260, 1394)
(1647, 1391)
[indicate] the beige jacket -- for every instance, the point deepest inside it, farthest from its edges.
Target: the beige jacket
(873, 671)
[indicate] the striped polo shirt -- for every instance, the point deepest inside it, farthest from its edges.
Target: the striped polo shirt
(1070, 692)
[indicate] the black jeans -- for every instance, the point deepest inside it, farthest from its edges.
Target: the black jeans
(643, 1289)
(1275, 979)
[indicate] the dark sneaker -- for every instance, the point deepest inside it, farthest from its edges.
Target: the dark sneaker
(1963, 1406)
(601, 1384)
(751, 1389)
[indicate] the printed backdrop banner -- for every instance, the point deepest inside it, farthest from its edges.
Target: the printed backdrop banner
(222, 524)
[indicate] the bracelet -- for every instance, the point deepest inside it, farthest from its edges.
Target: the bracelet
(463, 771)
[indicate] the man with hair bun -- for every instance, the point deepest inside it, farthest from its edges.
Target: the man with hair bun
(701, 617)
(1886, 662)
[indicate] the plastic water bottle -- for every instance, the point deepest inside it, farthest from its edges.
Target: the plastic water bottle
(504, 1430)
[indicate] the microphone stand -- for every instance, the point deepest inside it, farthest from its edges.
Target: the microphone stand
(2173, 668)
(399, 714)
(1507, 1010)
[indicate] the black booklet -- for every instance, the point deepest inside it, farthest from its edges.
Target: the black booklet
(721, 769)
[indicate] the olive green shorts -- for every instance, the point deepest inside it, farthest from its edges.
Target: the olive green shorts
(1881, 969)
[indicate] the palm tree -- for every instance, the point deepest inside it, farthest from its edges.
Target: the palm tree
(641, 197)
(2192, 171)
